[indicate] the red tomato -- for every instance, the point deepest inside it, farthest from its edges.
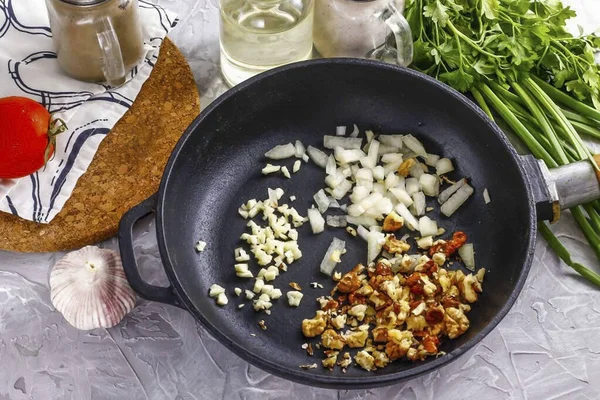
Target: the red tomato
(27, 136)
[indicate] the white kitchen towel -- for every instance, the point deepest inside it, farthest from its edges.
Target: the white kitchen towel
(28, 68)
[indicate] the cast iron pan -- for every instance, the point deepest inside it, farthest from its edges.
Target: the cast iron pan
(216, 167)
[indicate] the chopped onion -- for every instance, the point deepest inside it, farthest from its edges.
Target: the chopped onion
(297, 165)
(430, 184)
(361, 220)
(285, 172)
(391, 180)
(331, 166)
(362, 232)
(419, 203)
(409, 220)
(486, 196)
(412, 185)
(333, 203)
(337, 221)
(355, 210)
(402, 196)
(431, 159)
(370, 135)
(385, 149)
(415, 145)
(427, 226)
(331, 142)
(443, 166)
(373, 153)
(467, 254)
(300, 149)
(317, 156)
(416, 171)
(391, 157)
(456, 200)
(317, 223)
(340, 190)
(348, 156)
(378, 173)
(391, 140)
(391, 167)
(446, 193)
(321, 200)
(269, 169)
(359, 193)
(364, 177)
(370, 200)
(328, 264)
(305, 157)
(334, 179)
(355, 132)
(340, 130)
(281, 151)
(375, 241)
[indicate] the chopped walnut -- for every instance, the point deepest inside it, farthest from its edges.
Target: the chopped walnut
(331, 359)
(395, 246)
(392, 222)
(469, 287)
(380, 334)
(350, 281)
(398, 343)
(439, 258)
(365, 360)
(262, 325)
(358, 311)
(416, 323)
(480, 274)
(456, 322)
(339, 321)
(379, 300)
(295, 286)
(314, 327)
(356, 339)
(345, 361)
(332, 340)
(381, 359)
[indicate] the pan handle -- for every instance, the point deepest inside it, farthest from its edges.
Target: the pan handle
(145, 290)
(561, 188)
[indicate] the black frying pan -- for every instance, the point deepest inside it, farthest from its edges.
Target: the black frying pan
(216, 166)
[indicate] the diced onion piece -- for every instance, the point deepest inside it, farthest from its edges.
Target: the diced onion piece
(334, 179)
(362, 232)
(361, 220)
(331, 166)
(402, 196)
(419, 204)
(331, 142)
(427, 226)
(391, 158)
(296, 167)
(416, 171)
(328, 264)
(355, 132)
(269, 169)
(292, 198)
(370, 200)
(333, 203)
(359, 193)
(300, 149)
(373, 153)
(382, 207)
(281, 151)
(337, 221)
(286, 172)
(425, 242)
(348, 156)
(355, 210)
(443, 166)
(317, 156)
(486, 196)
(456, 200)
(364, 177)
(430, 184)
(392, 167)
(384, 149)
(340, 190)
(305, 157)
(340, 130)
(375, 241)
(409, 220)
(415, 145)
(378, 173)
(467, 254)
(412, 186)
(321, 200)
(222, 299)
(431, 159)
(449, 191)
(317, 223)
(294, 297)
(391, 140)
(370, 135)
(391, 180)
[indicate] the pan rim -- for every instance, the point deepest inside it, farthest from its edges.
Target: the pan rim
(328, 381)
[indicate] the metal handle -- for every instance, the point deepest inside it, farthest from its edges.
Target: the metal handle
(145, 290)
(561, 188)
(113, 66)
(400, 50)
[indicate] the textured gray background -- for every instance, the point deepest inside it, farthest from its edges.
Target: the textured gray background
(548, 347)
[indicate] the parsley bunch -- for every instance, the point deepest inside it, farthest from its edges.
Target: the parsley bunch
(520, 64)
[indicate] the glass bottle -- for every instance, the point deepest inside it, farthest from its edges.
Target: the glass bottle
(96, 40)
(257, 35)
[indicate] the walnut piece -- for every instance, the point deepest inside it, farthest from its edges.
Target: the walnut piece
(356, 339)
(314, 327)
(395, 246)
(456, 322)
(332, 340)
(365, 360)
(393, 222)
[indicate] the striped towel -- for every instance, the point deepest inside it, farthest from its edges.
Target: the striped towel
(28, 68)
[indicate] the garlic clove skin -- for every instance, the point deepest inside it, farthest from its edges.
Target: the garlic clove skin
(90, 289)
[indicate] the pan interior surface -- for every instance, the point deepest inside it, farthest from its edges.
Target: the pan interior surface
(217, 167)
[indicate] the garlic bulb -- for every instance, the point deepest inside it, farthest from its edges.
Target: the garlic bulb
(89, 288)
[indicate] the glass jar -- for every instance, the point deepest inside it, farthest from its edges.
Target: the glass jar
(364, 29)
(97, 40)
(257, 35)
